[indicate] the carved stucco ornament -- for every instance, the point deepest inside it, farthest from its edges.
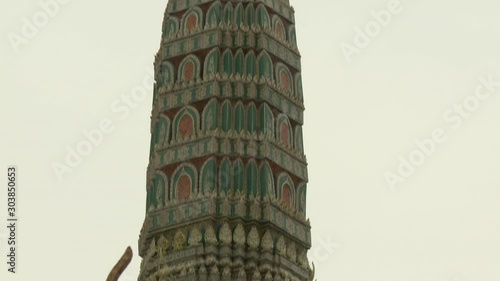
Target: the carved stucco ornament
(239, 235)
(267, 242)
(225, 234)
(281, 246)
(302, 259)
(226, 273)
(214, 270)
(195, 237)
(152, 248)
(292, 252)
(162, 246)
(253, 238)
(179, 241)
(210, 235)
(202, 270)
(183, 271)
(256, 276)
(242, 273)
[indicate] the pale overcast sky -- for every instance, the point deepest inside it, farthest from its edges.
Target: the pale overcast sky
(426, 75)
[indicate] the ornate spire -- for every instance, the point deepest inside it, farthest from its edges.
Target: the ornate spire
(227, 179)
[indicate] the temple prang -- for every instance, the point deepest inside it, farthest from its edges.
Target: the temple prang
(227, 176)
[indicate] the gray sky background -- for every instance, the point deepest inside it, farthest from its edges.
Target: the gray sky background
(441, 223)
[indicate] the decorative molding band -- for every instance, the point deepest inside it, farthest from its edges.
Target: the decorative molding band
(282, 7)
(254, 38)
(182, 95)
(283, 52)
(212, 209)
(210, 145)
(190, 43)
(175, 6)
(288, 224)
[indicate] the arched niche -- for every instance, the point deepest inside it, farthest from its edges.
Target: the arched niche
(214, 15)
(250, 64)
(251, 118)
(189, 69)
(284, 77)
(266, 120)
(212, 63)
(265, 65)
(267, 181)
(170, 27)
(301, 198)
(210, 115)
(286, 189)
(186, 123)
(208, 178)
(227, 62)
(284, 132)
(239, 62)
(252, 175)
(225, 175)
(238, 175)
(192, 19)
(279, 28)
(184, 182)
(239, 117)
(262, 18)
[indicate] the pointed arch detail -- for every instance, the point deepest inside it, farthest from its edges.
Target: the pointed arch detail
(252, 178)
(192, 19)
(214, 13)
(265, 65)
(170, 28)
(212, 63)
(189, 69)
(210, 115)
(286, 189)
(186, 123)
(279, 28)
(284, 130)
(184, 181)
(208, 179)
(251, 118)
(284, 77)
(267, 181)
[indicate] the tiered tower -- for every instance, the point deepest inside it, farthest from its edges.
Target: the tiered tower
(226, 183)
